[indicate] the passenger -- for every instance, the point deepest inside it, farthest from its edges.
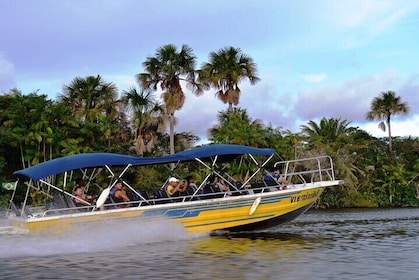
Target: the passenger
(120, 194)
(219, 182)
(172, 188)
(182, 187)
(275, 178)
(217, 188)
(80, 199)
(191, 189)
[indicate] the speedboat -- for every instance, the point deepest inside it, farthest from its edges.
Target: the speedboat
(250, 203)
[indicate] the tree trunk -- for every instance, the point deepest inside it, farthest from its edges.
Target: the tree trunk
(172, 133)
(389, 134)
(391, 193)
(230, 107)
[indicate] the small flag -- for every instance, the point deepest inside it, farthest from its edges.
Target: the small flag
(10, 186)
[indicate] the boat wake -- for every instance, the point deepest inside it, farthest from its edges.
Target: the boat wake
(97, 237)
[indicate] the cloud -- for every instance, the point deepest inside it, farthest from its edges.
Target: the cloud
(7, 72)
(199, 113)
(350, 24)
(408, 126)
(349, 100)
(315, 78)
(326, 59)
(409, 91)
(123, 82)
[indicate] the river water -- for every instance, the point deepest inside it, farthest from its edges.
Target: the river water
(344, 244)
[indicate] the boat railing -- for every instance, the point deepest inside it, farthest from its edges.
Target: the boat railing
(122, 205)
(67, 210)
(298, 172)
(307, 170)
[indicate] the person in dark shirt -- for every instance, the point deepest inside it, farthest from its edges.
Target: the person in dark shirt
(120, 193)
(275, 178)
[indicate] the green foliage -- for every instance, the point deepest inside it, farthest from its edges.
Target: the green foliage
(236, 127)
(166, 70)
(334, 197)
(225, 70)
(89, 117)
(147, 118)
(362, 200)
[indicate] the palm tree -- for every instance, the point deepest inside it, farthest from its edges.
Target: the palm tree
(327, 131)
(334, 137)
(94, 103)
(147, 116)
(167, 69)
(226, 69)
(383, 107)
(90, 97)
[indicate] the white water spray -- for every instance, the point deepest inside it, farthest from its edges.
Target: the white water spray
(88, 238)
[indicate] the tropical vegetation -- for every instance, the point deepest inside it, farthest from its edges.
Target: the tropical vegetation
(383, 108)
(225, 70)
(166, 70)
(91, 116)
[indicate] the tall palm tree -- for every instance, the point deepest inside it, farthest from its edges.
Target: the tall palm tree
(90, 97)
(383, 107)
(225, 70)
(147, 117)
(167, 69)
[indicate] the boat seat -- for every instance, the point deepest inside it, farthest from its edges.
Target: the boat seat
(190, 190)
(235, 192)
(109, 203)
(259, 186)
(70, 202)
(14, 208)
(211, 191)
(136, 199)
(17, 211)
(160, 196)
(27, 212)
(59, 200)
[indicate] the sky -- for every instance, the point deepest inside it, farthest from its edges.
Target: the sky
(315, 59)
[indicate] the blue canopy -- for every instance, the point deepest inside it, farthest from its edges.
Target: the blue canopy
(45, 169)
(225, 152)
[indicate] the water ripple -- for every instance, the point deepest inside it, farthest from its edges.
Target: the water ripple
(345, 244)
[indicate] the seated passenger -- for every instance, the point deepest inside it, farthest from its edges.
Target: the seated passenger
(172, 188)
(275, 178)
(217, 187)
(81, 199)
(187, 187)
(119, 194)
(210, 187)
(219, 182)
(183, 187)
(191, 186)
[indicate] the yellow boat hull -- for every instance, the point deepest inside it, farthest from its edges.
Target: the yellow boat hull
(238, 213)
